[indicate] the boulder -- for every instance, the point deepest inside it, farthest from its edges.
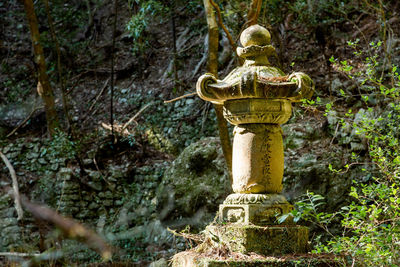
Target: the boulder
(11, 114)
(194, 185)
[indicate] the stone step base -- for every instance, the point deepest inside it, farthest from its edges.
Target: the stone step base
(195, 259)
(264, 240)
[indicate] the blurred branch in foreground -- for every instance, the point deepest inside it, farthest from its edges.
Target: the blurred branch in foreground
(15, 188)
(69, 227)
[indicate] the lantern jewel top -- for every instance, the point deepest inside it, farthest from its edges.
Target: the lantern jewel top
(255, 92)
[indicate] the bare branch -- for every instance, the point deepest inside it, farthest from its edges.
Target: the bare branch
(47, 256)
(98, 96)
(135, 116)
(117, 128)
(18, 254)
(17, 198)
(198, 238)
(24, 121)
(179, 98)
(70, 228)
(254, 12)
(221, 24)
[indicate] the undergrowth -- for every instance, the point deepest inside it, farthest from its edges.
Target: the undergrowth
(371, 222)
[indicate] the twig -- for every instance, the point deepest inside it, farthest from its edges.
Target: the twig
(221, 24)
(98, 169)
(24, 121)
(355, 163)
(135, 116)
(189, 46)
(17, 198)
(201, 62)
(334, 135)
(48, 256)
(198, 238)
(178, 98)
(27, 118)
(17, 254)
(98, 96)
(205, 114)
(117, 128)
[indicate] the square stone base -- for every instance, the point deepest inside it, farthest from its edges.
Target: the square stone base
(254, 209)
(257, 214)
(263, 240)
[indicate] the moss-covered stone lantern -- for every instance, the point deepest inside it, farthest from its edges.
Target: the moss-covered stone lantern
(257, 98)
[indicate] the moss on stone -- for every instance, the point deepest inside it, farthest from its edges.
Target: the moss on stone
(194, 259)
(268, 240)
(196, 180)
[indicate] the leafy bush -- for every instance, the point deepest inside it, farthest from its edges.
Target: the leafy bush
(137, 25)
(371, 223)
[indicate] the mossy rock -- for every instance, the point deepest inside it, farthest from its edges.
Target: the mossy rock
(196, 182)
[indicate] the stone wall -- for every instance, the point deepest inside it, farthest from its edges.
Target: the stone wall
(31, 163)
(117, 202)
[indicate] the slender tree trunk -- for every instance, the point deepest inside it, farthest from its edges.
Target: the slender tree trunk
(70, 127)
(112, 71)
(44, 88)
(173, 27)
(212, 63)
(254, 12)
(212, 67)
(59, 67)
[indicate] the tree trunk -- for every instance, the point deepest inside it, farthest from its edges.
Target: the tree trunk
(212, 63)
(175, 63)
(212, 67)
(44, 88)
(59, 68)
(114, 140)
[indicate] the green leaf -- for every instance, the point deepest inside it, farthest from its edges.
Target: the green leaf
(283, 218)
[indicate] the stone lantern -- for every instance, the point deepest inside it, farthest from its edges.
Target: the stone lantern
(257, 98)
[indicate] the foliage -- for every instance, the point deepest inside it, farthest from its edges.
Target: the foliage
(74, 14)
(17, 91)
(137, 25)
(61, 146)
(308, 13)
(371, 223)
(321, 12)
(307, 208)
